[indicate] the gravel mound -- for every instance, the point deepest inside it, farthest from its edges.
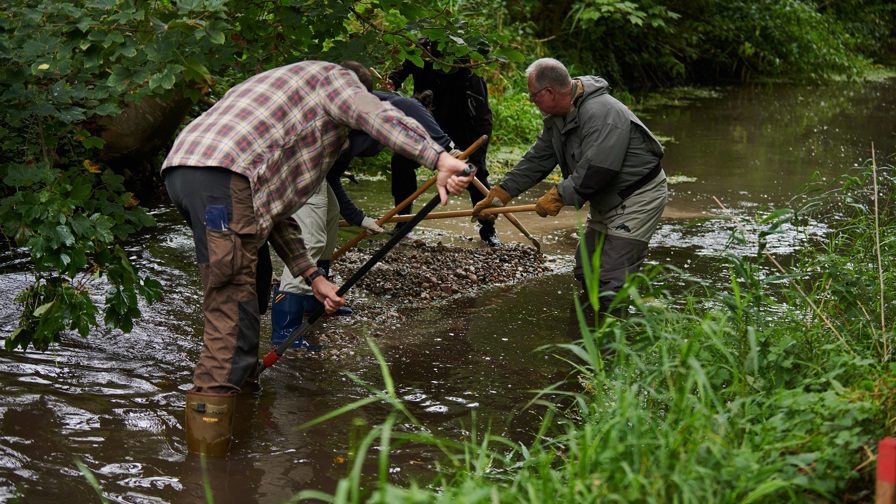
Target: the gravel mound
(420, 272)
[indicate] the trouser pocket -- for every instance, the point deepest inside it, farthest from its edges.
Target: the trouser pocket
(223, 256)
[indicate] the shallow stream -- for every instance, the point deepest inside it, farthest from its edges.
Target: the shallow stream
(115, 401)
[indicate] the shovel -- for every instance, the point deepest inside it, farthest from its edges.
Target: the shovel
(274, 355)
(410, 199)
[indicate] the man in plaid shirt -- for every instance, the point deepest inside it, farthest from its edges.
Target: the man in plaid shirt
(237, 174)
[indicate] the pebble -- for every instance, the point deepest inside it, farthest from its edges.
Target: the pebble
(414, 275)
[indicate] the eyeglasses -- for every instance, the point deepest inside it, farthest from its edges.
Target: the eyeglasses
(532, 96)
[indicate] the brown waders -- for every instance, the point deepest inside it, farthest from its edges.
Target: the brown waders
(217, 205)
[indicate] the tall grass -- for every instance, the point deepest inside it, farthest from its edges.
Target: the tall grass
(779, 393)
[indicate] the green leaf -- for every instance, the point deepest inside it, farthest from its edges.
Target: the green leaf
(166, 79)
(25, 175)
(39, 67)
(119, 79)
(215, 30)
(40, 310)
(81, 226)
(150, 289)
(103, 226)
(128, 51)
(415, 59)
(83, 24)
(196, 71)
(114, 37)
(93, 142)
(63, 235)
(108, 109)
(71, 115)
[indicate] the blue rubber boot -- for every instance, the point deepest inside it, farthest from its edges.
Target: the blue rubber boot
(287, 312)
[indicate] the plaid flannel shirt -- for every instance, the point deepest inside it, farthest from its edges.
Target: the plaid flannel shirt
(283, 129)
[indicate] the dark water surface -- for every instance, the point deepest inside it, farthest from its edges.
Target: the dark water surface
(115, 401)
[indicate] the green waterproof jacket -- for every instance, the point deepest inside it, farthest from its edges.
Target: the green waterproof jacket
(602, 148)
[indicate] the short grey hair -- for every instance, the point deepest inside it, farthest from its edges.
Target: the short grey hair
(549, 72)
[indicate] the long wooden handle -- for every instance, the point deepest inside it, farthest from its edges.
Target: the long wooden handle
(377, 75)
(512, 218)
(410, 199)
(274, 355)
(466, 213)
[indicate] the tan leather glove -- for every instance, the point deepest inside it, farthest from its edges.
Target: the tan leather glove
(455, 153)
(497, 197)
(549, 204)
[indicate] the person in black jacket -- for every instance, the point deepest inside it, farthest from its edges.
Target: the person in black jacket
(460, 107)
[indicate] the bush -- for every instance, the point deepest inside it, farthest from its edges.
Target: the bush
(69, 69)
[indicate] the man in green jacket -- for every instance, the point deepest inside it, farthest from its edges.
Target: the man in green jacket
(607, 157)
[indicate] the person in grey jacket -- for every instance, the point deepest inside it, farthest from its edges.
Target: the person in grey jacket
(607, 157)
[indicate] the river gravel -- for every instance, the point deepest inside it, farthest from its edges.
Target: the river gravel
(413, 275)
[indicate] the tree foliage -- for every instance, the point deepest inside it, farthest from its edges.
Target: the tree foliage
(664, 42)
(69, 69)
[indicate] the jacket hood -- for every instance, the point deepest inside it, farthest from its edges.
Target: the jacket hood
(593, 85)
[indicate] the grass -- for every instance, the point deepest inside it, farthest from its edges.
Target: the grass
(779, 392)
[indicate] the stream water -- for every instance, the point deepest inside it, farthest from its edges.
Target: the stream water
(115, 401)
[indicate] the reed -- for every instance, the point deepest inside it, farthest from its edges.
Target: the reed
(777, 390)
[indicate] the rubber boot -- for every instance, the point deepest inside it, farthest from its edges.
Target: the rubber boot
(209, 423)
(488, 234)
(251, 386)
(287, 311)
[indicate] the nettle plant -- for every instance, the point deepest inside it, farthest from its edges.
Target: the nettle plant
(69, 69)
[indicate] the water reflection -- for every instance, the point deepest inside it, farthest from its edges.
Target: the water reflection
(115, 401)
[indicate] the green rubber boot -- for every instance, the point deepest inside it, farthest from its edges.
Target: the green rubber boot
(209, 423)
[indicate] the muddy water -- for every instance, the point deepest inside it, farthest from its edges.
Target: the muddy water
(114, 402)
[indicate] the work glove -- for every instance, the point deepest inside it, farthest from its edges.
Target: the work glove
(369, 223)
(549, 204)
(455, 153)
(497, 197)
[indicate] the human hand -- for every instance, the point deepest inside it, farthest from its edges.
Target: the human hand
(325, 292)
(549, 204)
(452, 176)
(496, 198)
(370, 225)
(388, 84)
(455, 153)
